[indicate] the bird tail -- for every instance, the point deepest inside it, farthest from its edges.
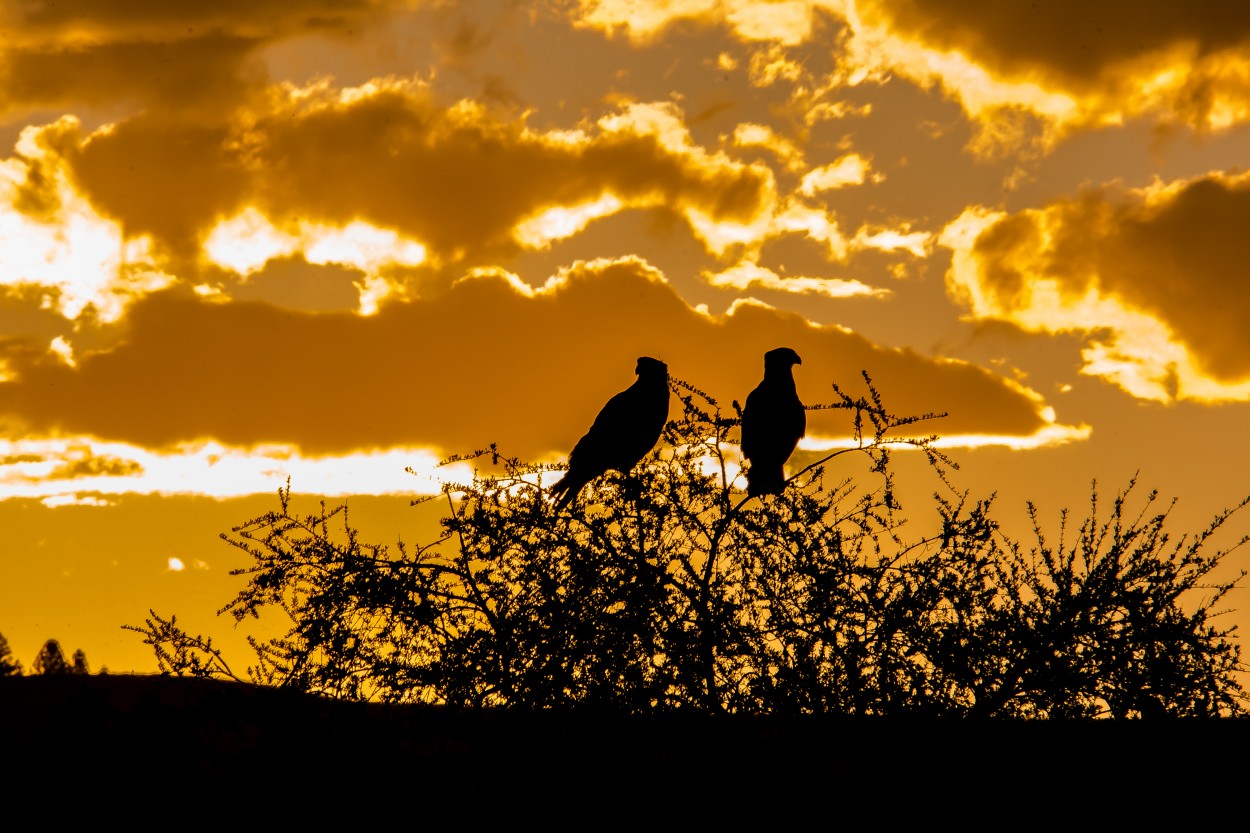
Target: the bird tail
(765, 481)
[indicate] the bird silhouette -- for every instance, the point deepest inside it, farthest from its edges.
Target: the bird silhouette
(772, 423)
(623, 432)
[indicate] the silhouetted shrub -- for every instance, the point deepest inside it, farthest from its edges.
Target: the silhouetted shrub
(9, 664)
(670, 589)
(51, 660)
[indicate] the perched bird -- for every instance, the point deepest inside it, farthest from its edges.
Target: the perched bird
(625, 430)
(772, 423)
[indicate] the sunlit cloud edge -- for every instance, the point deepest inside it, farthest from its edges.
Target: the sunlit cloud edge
(1046, 437)
(214, 470)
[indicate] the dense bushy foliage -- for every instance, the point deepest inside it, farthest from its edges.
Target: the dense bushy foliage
(670, 589)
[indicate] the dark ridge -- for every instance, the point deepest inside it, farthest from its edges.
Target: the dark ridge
(151, 736)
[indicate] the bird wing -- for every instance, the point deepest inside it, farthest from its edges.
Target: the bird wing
(773, 421)
(798, 419)
(613, 436)
(630, 424)
(626, 428)
(594, 450)
(752, 415)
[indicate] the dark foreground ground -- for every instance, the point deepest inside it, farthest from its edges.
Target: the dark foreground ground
(205, 746)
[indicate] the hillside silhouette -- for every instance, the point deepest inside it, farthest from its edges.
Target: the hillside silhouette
(132, 733)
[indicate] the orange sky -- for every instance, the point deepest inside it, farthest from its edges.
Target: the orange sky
(331, 239)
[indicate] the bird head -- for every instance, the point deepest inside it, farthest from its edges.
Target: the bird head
(650, 367)
(782, 357)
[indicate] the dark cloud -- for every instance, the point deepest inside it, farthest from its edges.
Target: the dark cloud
(167, 179)
(453, 180)
(16, 459)
(1179, 256)
(177, 56)
(177, 77)
(95, 467)
(20, 350)
(457, 180)
(1185, 262)
(293, 283)
(481, 363)
(1074, 41)
(105, 19)
(26, 313)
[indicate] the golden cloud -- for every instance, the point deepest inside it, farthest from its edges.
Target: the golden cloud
(209, 68)
(851, 169)
(94, 21)
(114, 206)
(136, 173)
(483, 362)
(1154, 276)
(454, 180)
(748, 275)
(248, 241)
(380, 178)
(55, 241)
(784, 21)
(69, 472)
(1026, 75)
(1073, 43)
(178, 55)
(91, 466)
(761, 135)
(1068, 63)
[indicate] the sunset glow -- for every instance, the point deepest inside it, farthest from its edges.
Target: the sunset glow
(64, 472)
(337, 243)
